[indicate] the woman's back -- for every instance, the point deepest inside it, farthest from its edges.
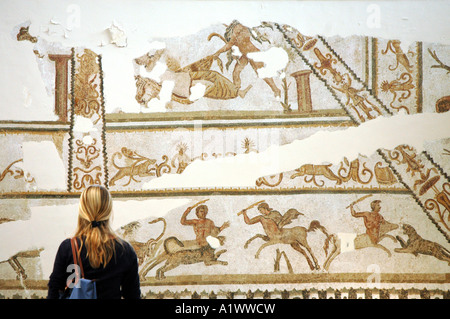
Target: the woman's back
(109, 260)
(118, 279)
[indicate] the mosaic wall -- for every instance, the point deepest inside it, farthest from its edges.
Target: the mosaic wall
(309, 240)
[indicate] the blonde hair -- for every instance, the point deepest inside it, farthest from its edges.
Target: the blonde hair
(94, 213)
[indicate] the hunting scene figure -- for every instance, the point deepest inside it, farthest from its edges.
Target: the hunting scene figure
(175, 252)
(219, 75)
(165, 252)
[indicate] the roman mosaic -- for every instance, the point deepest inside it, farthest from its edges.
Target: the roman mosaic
(373, 226)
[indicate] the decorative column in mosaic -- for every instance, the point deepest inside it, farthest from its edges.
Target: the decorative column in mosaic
(303, 90)
(87, 156)
(61, 84)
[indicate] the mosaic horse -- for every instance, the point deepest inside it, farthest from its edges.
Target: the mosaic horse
(296, 237)
(361, 241)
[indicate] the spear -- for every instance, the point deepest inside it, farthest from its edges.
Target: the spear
(359, 200)
(251, 206)
(200, 202)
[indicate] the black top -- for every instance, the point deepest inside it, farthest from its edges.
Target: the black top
(120, 277)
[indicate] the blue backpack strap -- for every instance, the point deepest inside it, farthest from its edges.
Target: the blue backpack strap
(84, 288)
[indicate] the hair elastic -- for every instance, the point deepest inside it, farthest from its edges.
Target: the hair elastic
(95, 223)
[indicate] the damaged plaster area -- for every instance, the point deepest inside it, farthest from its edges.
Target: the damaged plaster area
(158, 89)
(164, 69)
(42, 161)
(322, 147)
(44, 218)
(118, 35)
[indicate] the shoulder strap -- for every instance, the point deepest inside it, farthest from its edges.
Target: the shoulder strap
(76, 255)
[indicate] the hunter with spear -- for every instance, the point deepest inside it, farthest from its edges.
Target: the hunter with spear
(203, 227)
(373, 220)
(377, 228)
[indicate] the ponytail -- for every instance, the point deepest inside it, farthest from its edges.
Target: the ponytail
(94, 213)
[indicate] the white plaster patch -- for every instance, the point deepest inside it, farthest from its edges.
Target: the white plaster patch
(347, 241)
(197, 91)
(59, 222)
(55, 29)
(182, 82)
(118, 36)
(83, 125)
(213, 242)
(235, 51)
(155, 73)
(27, 97)
(156, 45)
(42, 161)
(324, 146)
(54, 21)
(88, 140)
(165, 95)
(275, 60)
(158, 104)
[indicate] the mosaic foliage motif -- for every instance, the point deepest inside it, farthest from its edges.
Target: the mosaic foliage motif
(378, 223)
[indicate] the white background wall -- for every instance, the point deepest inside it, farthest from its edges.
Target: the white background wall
(59, 25)
(24, 96)
(85, 23)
